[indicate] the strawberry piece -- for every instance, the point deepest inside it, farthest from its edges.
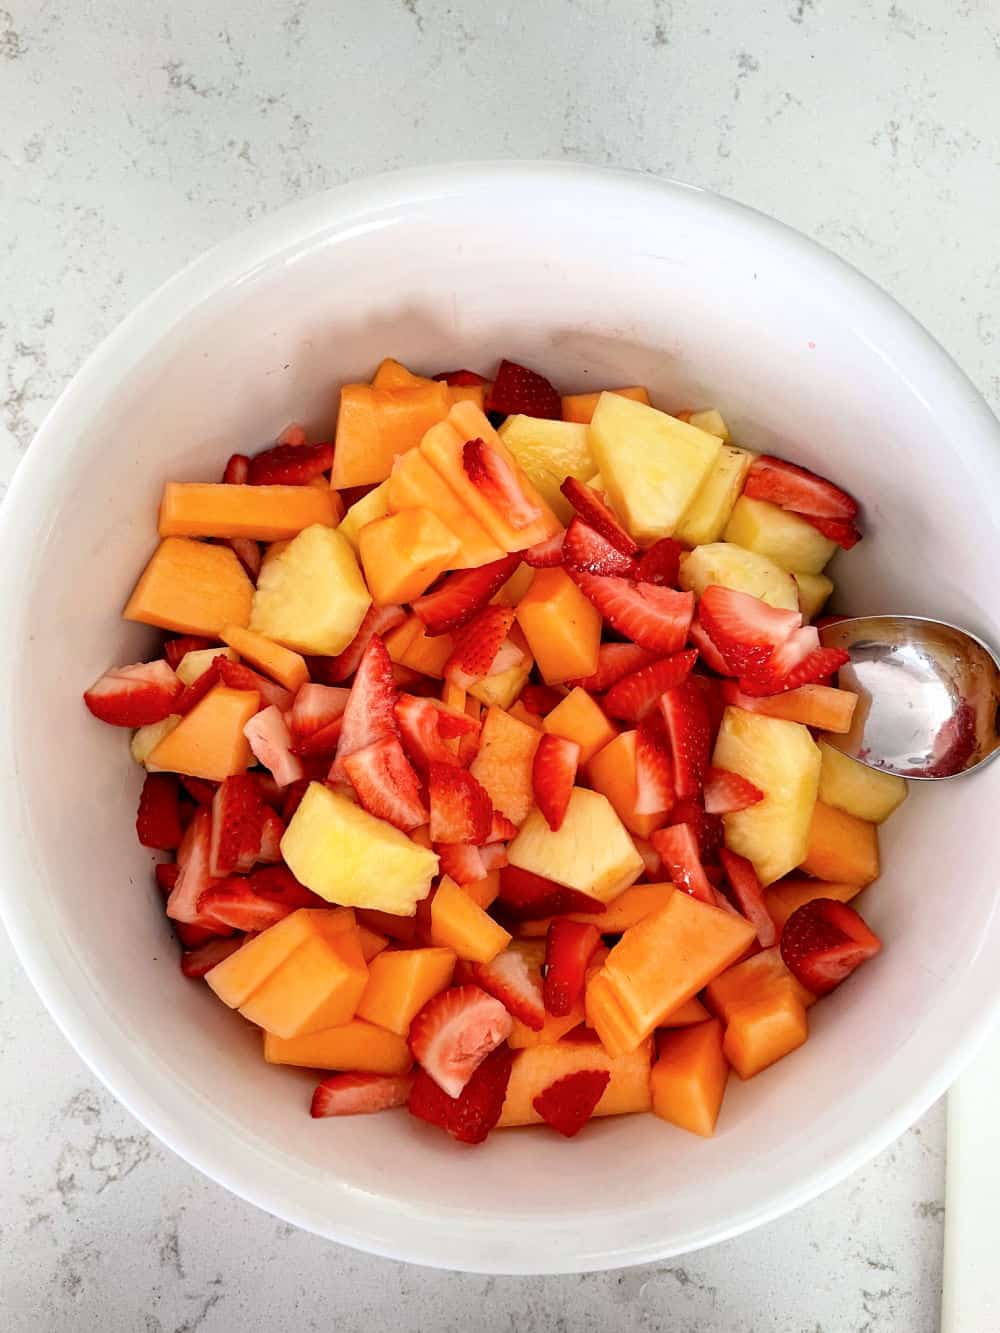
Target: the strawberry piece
(654, 618)
(569, 947)
(707, 651)
(279, 884)
(166, 874)
(290, 464)
(470, 1116)
(553, 773)
(458, 597)
(502, 828)
(463, 863)
(293, 798)
(709, 829)
(320, 744)
(248, 553)
(797, 489)
(540, 699)
(158, 821)
(798, 661)
(134, 696)
(727, 792)
(193, 858)
(518, 390)
(584, 548)
(190, 937)
(495, 479)
(744, 629)
(237, 470)
(271, 833)
(378, 620)
(240, 677)
(823, 941)
(269, 789)
(194, 693)
(654, 771)
(360, 1094)
(494, 856)
(460, 378)
(461, 810)
(237, 825)
(525, 895)
(638, 693)
(686, 716)
(749, 894)
(614, 662)
(174, 650)
(454, 1032)
(370, 711)
(661, 564)
(425, 725)
(201, 790)
(271, 743)
(545, 554)
(477, 646)
(678, 848)
(196, 962)
(294, 433)
(838, 530)
(711, 692)
(315, 707)
(567, 1104)
(517, 986)
(386, 783)
(233, 903)
(598, 515)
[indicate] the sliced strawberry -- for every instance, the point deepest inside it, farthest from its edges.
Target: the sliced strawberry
(175, 650)
(279, 884)
(454, 1032)
(319, 744)
(459, 596)
(654, 770)
(386, 783)
(370, 711)
(191, 937)
(271, 833)
(270, 792)
(654, 618)
(685, 713)
(378, 620)
(797, 489)
(636, 694)
(271, 741)
(545, 554)
(199, 789)
(798, 661)
(293, 798)
(237, 824)
(494, 855)
(518, 390)
(540, 699)
(744, 629)
(425, 726)
(194, 693)
(158, 821)
(134, 696)
(711, 692)
(237, 470)
(515, 984)
(197, 962)
(708, 829)
(477, 646)
(501, 829)
(360, 1094)
(460, 378)
(315, 707)
(569, 947)
(567, 1104)
(495, 479)
(461, 810)
(233, 903)
(678, 848)
(838, 530)
(294, 433)
(661, 564)
(240, 677)
(461, 862)
(553, 773)
(614, 662)
(248, 553)
(193, 857)
(290, 464)
(166, 874)
(585, 549)
(749, 894)
(823, 941)
(524, 896)
(598, 515)
(707, 651)
(727, 792)
(470, 1116)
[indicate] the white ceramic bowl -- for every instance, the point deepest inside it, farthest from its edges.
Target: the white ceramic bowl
(598, 278)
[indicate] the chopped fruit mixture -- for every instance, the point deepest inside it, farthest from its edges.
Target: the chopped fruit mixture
(485, 752)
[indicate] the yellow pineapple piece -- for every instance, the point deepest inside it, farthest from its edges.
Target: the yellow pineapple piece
(196, 663)
(712, 420)
(550, 451)
(863, 792)
(785, 538)
(814, 593)
(708, 513)
(312, 596)
(364, 511)
(592, 851)
(731, 566)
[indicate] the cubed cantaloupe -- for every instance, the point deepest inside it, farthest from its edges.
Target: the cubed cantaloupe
(415, 484)
(372, 943)
(538, 1067)
(562, 626)
(841, 847)
(763, 1030)
(236, 978)
(484, 892)
(686, 1015)
(316, 987)
(411, 646)
(311, 597)
(209, 742)
(866, 793)
(822, 706)
(550, 451)
(553, 1029)
(281, 664)
(731, 566)
(191, 587)
(262, 513)
(688, 1080)
(630, 907)
(357, 1046)
(783, 537)
(580, 718)
(580, 407)
(460, 924)
(613, 772)
(708, 513)
(814, 592)
(590, 852)
(788, 895)
(752, 978)
(402, 554)
(366, 510)
(401, 982)
(392, 374)
(503, 763)
(196, 663)
(348, 856)
(374, 425)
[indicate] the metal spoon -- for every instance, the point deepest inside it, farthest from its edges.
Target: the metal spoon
(929, 695)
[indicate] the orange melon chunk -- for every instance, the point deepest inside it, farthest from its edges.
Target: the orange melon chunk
(562, 627)
(758, 976)
(468, 393)
(689, 1079)
(236, 978)
(785, 897)
(536, 1067)
(372, 943)
(628, 909)
(458, 923)
(208, 742)
(319, 986)
(355, 1046)
(414, 484)
(581, 406)
(421, 651)
(551, 1031)
(686, 1015)
(374, 425)
(580, 718)
(392, 374)
(612, 771)
(402, 554)
(503, 764)
(288, 668)
(397, 640)
(842, 848)
(263, 513)
(763, 1030)
(401, 982)
(484, 892)
(191, 588)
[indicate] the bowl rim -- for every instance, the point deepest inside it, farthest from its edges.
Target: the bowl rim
(540, 1247)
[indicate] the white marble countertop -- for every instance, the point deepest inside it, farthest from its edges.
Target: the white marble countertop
(135, 134)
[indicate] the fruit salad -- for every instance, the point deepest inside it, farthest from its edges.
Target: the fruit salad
(486, 750)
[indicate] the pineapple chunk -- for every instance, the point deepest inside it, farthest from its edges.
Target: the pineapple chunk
(785, 538)
(708, 513)
(501, 690)
(653, 465)
(196, 663)
(711, 420)
(814, 593)
(783, 760)
(731, 566)
(592, 851)
(548, 451)
(146, 739)
(348, 856)
(364, 511)
(857, 790)
(311, 597)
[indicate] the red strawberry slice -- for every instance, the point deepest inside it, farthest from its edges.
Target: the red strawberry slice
(194, 693)
(134, 696)
(654, 771)
(240, 677)
(709, 654)
(321, 744)
(567, 1104)
(461, 810)
(597, 514)
(199, 789)
(174, 650)
(166, 874)
(744, 629)
(248, 553)
(386, 783)
(460, 378)
(515, 984)
(425, 725)
(378, 620)
(293, 799)
(233, 903)
(197, 962)
(279, 884)
(727, 792)
(271, 742)
(797, 489)
(711, 692)
(495, 479)
(661, 564)
(685, 713)
(638, 693)
(518, 390)
(540, 699)
(584, 548)
(158, 821)
(237, 470)
(271, 834)
(494, 855)
(194, 879)
(470, 1116)
(838, 530)
(370, 711)
(654, 618)
(477, 646)
(238, 815)
(569, 947)
(553, 773)
(749, 894)
(614, 661)
(290, 464)
(524, 896)
(459, 596)
(823, 941)
(454, 1032)
(461, 862)
(709, 829)
(315, 707)
(798, 661)
(190, 937)
(502, 828)
(360, 1094)
(294, 433)
(678, 848)
(545, 554)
